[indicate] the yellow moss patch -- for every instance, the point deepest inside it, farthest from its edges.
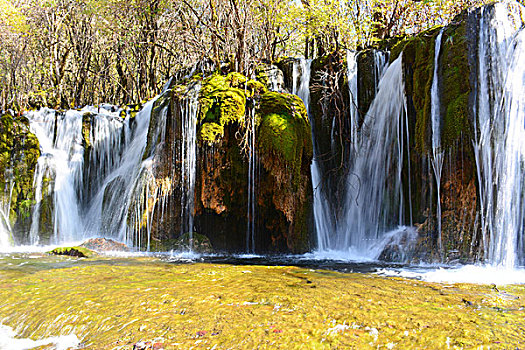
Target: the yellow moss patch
(111, 303)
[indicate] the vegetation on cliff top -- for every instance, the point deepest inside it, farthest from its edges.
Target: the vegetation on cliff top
(122, 51)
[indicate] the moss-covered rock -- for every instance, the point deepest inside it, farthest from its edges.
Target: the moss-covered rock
(418, 67)
(285, 130)
(455, 70)
(285, 148)
(222, 102)
(226, 104)
(79, 252)
(459, 234)
(19, 153)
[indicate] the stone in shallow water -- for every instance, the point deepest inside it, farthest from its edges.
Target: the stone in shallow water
(197, 243)
(105, 245)
(79, 252)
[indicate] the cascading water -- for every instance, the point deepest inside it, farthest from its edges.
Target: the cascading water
(351, 59)
(375, 194)
(5, 231)
(150, 196)
(113, 164)
(499, 143)
(5, 226)
(380, 64)
(252, 181)
(189, 110)
(324, 220)
(437, 153)
(62, 157)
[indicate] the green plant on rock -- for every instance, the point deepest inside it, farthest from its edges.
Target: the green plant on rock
(284, 130)
(19, 153)
(222, 102)
(456, 85)
(79, 252)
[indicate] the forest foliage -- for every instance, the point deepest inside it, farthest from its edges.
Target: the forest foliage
(67, 53)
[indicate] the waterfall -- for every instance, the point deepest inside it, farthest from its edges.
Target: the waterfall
(6, 236)
(375, 193)
(62, 157)
(252, 183)
(189, 110)
(499, 142)
(380, 64)
(108, 211)
(324, 220)
(90, 194)
(437, 153)
(5, 230)
(374, 203)
(351, 59)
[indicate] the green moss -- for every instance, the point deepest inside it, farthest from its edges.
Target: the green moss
(19, 153)
(79, 252)
(222, 102)
(210, 132)
(418, 68)
(261, 75)
(285, 129)
(456, 86)
(418, 62)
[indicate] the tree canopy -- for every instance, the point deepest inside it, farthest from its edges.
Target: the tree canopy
(74, 52)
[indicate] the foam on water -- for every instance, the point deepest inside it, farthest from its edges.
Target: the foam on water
(10, 341)
(477, 274)
(36, 248)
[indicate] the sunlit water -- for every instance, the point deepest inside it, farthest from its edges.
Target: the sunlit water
(30, 259)
(10, 341)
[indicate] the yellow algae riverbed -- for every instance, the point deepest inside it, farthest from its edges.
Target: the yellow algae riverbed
(112, 303)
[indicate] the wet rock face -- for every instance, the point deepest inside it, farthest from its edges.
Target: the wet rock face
(19, 152)
(459, 193)
(399, 247)
(272, 76)
(230, 108)
(329, 113)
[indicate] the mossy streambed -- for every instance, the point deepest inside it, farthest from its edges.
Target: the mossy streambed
(113, 303)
